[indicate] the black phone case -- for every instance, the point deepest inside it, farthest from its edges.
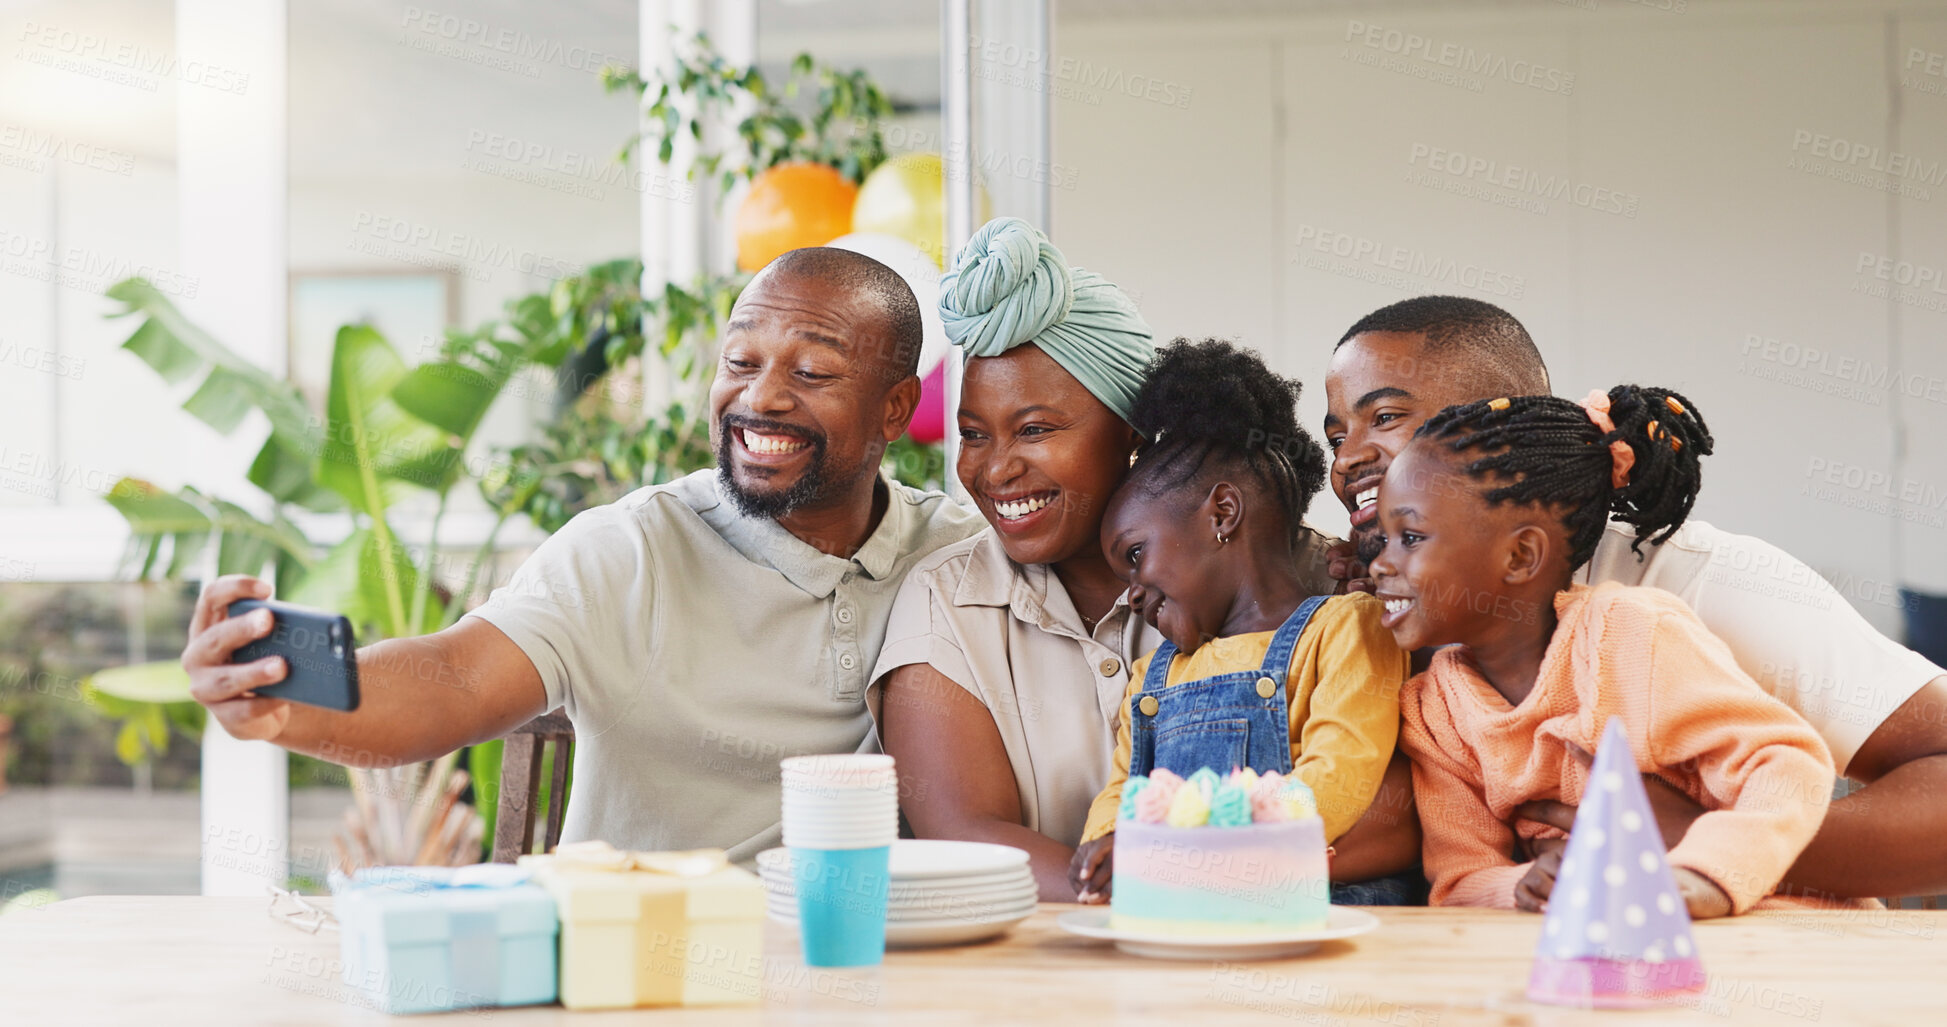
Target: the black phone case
(320, 654)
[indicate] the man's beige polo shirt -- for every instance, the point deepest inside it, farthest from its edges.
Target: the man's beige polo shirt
(694, 647)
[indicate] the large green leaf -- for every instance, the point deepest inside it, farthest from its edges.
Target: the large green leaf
(222, 400)
(356, 579)
(177, 349)
(157, 517)
(153, 510)
(244, 543)
(247, 544)
(371, 444)
(163, 681)
(454, 394)
(172, 360)
(128, 743)
(447, 395)
(288, 475)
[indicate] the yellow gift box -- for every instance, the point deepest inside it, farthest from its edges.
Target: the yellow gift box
(654, 928)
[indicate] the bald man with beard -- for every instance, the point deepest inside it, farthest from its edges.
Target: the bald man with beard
(695, 632)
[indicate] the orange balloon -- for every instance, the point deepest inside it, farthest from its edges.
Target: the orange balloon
(791, 206)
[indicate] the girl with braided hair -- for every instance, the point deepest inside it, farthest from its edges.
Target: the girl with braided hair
(1486, 515)
(1255, 670)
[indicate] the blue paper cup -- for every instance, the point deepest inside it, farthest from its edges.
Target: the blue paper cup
(842, 904)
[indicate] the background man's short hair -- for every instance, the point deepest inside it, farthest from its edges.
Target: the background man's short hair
(1487, 332)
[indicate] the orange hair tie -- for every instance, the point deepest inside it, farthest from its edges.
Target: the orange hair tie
(1621, 457)
(1675, 407)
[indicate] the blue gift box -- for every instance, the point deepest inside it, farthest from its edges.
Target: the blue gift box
(431, 939)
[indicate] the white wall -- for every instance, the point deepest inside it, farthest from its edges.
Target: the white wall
(1247, 132)
(1290, 131)
(395, 111)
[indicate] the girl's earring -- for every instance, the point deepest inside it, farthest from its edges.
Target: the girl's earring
(1222, 538)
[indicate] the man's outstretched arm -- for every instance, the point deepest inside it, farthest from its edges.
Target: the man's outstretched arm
(419, 698)
(1890, 836)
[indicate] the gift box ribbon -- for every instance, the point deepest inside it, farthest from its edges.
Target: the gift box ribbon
(473, 936)
(599, 855)
(660, 965)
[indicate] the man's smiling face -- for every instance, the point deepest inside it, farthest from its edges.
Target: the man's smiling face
(1379, 389)
(804, 401)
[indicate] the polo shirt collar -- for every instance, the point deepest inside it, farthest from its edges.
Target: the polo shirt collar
(763, 540)
(991, 579)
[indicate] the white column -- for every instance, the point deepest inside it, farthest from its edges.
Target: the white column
(956, 128)
(732, 25)
(1011, 122)
(672, 233)
(232, 197)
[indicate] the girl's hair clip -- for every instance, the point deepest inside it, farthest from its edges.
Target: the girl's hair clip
(1675, 407)
(1499, 404)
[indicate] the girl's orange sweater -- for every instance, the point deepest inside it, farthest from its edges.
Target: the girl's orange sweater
(1693, 718)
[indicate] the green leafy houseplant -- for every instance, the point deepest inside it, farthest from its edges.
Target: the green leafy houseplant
(841, 129)
(386, 430)
(389, 429)
(601, 443)
(599, 447)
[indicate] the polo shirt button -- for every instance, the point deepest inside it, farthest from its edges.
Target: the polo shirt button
(1110, 666)
(1148, 705)
(846, 661)
(845, 615)
(1266, 688)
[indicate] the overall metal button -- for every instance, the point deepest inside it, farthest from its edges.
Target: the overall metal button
(1148, 705)
(1266, 688)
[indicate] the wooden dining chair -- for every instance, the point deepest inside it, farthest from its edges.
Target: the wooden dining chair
(520, 785)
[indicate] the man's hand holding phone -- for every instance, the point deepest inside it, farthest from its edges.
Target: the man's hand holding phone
(297, 680)
(223, 687)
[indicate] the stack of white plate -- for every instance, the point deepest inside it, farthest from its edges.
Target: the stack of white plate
(941, 893)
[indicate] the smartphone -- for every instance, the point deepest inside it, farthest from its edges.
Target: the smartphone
(320, 655)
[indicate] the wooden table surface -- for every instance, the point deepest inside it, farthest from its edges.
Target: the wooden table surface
(211, 961)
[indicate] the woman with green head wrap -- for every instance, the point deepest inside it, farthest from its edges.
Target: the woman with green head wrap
(1007, 655)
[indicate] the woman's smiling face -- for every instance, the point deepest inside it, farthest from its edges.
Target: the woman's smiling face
(1039, 454)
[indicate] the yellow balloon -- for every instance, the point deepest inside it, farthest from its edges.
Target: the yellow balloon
(904, 197)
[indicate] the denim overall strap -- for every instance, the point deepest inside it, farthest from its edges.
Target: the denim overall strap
(1277, 658)
(1233, 719)
(1142, 728)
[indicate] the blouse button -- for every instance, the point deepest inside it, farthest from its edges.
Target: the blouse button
(1147, 705)
(1266, 688)
(1110, 666)
(847, 661)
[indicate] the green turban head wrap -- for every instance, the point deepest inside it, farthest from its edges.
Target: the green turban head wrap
(1011, 286)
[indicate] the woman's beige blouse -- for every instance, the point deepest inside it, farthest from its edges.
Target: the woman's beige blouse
(1010, 636)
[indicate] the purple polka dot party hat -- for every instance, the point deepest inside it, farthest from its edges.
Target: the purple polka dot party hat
(1617, 933)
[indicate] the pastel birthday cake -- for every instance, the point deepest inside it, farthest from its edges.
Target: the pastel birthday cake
(1209, 855)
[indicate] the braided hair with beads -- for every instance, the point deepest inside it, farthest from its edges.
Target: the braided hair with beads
(1210, 402)
(1550, 451)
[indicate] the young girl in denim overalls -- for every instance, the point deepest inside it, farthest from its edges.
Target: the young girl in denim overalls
(1255, 672)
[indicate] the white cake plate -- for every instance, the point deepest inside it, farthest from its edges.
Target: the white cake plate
(1340, 922)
